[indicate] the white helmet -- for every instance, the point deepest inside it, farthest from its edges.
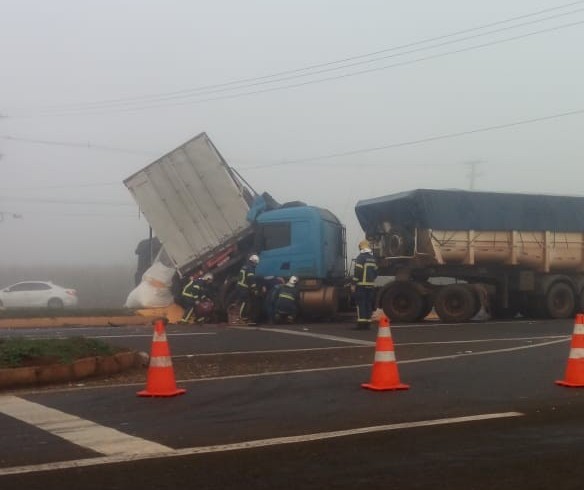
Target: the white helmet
(254, 258)
(292, 281)
(208, 277)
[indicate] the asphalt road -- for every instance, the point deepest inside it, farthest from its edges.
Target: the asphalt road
(483, 411)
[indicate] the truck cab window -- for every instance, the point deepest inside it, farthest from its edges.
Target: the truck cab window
(274, 235)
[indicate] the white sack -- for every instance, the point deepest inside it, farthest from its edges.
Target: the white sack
(154, 290)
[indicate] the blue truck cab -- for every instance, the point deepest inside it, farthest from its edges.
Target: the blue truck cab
(300, 240)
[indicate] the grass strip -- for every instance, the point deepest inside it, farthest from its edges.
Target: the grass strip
(20, 351)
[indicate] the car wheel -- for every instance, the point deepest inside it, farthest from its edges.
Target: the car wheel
(55, 304)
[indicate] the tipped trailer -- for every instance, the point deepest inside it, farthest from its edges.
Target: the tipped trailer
(208, 219)
(457, 251)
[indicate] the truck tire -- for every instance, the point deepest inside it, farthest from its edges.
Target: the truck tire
(401, 302)
(560, 301)
(455, 303)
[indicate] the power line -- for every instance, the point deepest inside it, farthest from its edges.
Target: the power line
(362, 62)
(169, 96)
(68, 186)
(418, 141)
(321, 80)
(76, 215)
(297, 72)
(87, 145)
(66, 201)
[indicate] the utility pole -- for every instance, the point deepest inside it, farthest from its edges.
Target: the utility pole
(472, 173)
(9, 214)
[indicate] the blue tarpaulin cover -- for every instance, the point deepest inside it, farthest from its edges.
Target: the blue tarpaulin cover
(470, 210)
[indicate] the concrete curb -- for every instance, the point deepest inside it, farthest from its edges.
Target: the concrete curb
(59, 373)
(74, 321)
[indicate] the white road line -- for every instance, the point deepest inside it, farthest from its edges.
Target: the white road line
(312, 370)
(484, 352)
(397, 344)
(239, 446)
(481, 341)
(191, 334)
(81, 432)
(346, 340)
(128, 336)
(350, 340)
(355, 366)
(477, 323)
(272, 351)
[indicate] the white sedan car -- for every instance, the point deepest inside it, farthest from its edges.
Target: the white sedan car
(37, 294)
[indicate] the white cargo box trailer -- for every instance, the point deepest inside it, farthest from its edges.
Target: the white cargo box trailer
(193, 201)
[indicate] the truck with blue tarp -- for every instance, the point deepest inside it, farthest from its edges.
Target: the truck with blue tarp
(460, 251)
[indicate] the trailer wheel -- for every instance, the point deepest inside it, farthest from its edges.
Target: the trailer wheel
(560, 301)
(456, 303)
(401, 302)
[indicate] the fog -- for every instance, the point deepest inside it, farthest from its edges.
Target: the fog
(93, 91)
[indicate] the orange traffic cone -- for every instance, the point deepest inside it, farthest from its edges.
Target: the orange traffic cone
(574, 376)
(160, 380)
(384, 375)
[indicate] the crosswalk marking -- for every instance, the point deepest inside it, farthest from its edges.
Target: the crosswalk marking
(84, 433)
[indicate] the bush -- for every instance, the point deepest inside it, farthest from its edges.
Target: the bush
(19, 351)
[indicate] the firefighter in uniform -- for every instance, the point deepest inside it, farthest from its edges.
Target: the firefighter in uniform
(286, 302)
(249, 292)
(364, 276)
(192, 294)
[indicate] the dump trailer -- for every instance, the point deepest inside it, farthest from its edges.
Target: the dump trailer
(208, 219)
(457, 251)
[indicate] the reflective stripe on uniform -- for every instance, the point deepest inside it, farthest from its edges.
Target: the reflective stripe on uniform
(365, 270)
(385, 356)
(360, 318)
(287, 296)
(160, 362)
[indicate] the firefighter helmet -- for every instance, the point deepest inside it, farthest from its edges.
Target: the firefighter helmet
(254, 259)
(364, 244)
(292, 281)
(208, 277)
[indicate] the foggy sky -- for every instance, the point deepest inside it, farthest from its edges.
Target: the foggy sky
(124, 79)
